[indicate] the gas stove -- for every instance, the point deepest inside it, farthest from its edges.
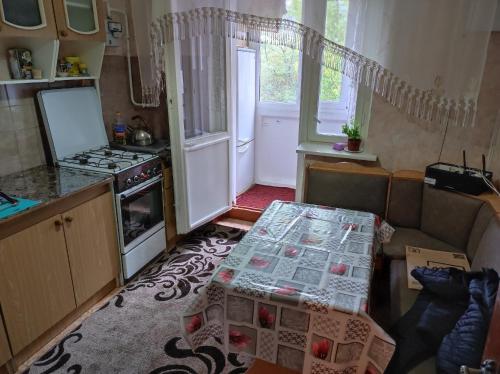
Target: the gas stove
(130, 168)
(77, 138)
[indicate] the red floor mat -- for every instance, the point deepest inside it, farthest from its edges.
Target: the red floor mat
(259, 196)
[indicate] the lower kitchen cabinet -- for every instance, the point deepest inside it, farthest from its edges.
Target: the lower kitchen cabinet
(49, 269)
(36, 290)
(92, 245)
(4, 346)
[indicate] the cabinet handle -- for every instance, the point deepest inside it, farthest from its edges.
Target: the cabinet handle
(64, 33)
(58, 223)
(68, 219)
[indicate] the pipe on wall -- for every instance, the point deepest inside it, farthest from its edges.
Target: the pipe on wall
(127, 40)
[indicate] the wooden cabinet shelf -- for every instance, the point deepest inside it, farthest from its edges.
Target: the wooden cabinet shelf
(59, 38)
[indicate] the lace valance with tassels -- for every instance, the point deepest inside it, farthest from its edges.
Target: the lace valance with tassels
(433, 103)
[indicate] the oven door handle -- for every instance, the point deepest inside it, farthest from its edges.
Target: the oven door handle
(140, 187)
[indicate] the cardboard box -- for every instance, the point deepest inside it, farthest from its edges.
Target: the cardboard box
(421, 257)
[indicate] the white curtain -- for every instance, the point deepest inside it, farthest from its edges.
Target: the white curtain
(425, 57)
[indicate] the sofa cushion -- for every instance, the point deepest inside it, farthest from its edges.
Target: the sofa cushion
(402, 237)
(364, 192)
(405, 203)
(488, 251)
(425, 367)
(448, 216)
(402, 298)
(481, 222)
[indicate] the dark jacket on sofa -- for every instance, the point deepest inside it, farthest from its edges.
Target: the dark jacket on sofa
(450, 317)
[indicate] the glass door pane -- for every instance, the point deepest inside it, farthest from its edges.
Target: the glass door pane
(23, 13)
(203, 61)
(81, 15)
(141, 211)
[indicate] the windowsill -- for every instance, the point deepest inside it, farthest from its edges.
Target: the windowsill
(326, 149)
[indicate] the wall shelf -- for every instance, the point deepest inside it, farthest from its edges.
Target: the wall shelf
(60, 79)
(23, 81)
(46, 54)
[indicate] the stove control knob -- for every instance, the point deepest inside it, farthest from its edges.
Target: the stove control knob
(129, 181)
(149, 172)
(155, 170)
(136, 178)
(144, 175)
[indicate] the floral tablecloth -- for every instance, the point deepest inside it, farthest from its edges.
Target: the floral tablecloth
(295, 292)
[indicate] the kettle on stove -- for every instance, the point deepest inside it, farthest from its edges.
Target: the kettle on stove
(140, 134)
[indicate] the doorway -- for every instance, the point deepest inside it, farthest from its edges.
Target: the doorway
(267, 125)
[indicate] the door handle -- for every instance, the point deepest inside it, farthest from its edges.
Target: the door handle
(64, 33)
(68, 219)
(58, 223)
(243, 148)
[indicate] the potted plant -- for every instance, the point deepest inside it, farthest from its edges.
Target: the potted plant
(352, 130)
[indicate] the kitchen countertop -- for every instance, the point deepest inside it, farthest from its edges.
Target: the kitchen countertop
(48, 183)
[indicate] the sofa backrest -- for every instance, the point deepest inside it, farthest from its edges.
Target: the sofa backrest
(347, 185)
(484, 216)
(405, 199)
(448, 216)
(487, 254)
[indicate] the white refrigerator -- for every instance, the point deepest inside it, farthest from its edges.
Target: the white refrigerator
(246, 93)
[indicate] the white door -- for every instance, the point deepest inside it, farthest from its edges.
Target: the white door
(246, 86)
(201, 139)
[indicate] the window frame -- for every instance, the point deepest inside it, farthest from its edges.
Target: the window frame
(312, 108)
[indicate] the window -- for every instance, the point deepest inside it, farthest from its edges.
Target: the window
(336, 104)
(280, 66)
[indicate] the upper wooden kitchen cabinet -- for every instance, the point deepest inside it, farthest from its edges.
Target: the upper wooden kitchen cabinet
(80, 20)
(92, 246)
(27, 18)
(35, 281)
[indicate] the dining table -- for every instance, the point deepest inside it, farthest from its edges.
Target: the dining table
(295, 291)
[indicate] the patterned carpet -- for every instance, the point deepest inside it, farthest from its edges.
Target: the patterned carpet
(260, 197)
(138, 330)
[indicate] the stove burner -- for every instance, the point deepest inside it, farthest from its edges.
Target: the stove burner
(108, 152)
(112, 165)
(83, 160)
(135, 157)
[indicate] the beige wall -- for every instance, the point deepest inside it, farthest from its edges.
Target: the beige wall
(114, 84)
(21, 145)
(20, 138)
(402, 142)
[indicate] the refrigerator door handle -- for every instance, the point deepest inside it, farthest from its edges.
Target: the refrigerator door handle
(244, 141)
(243, 148)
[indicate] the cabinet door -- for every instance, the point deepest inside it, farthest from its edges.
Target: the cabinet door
(35, 281)
(90, 231)
(4, 346)
(34, 18)
(80, 19)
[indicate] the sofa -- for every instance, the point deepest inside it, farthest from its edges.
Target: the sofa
(421, 215)
(436, 219)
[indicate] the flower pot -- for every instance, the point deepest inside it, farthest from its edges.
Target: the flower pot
(353, 145)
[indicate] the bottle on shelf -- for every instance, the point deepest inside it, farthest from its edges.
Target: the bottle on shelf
(119, 130)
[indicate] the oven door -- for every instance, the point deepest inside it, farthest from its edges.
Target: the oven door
(140, 213)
